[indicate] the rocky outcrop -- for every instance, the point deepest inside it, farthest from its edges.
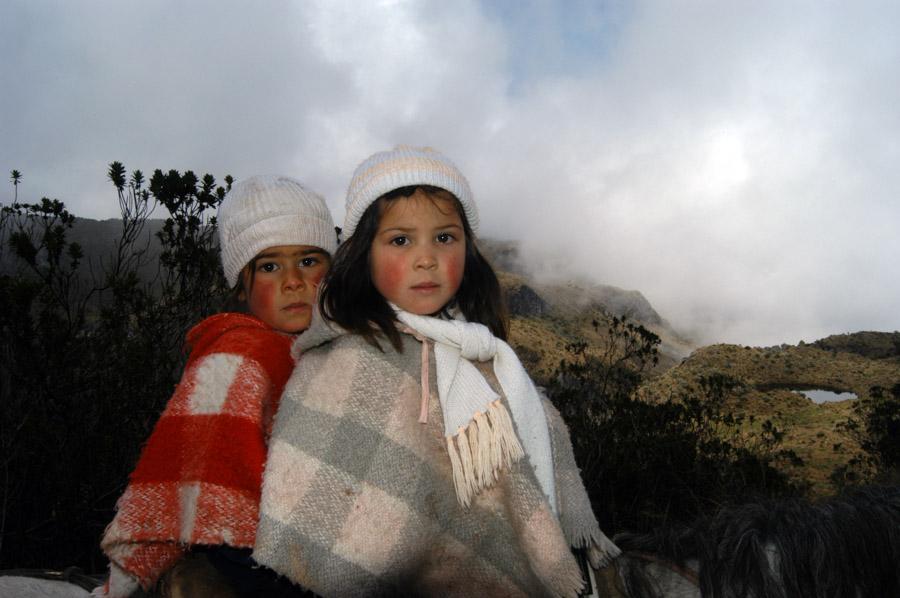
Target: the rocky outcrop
(524, 301)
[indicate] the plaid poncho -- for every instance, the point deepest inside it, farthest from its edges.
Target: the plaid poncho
(358, 496)
(198, 479)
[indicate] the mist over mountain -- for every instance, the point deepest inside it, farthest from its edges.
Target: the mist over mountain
(557, 301)
(556, 304)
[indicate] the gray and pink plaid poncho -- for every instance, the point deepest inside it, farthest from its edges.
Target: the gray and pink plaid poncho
(359, 500)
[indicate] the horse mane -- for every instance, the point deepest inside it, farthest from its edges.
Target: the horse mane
(848, 545)
(679, 545)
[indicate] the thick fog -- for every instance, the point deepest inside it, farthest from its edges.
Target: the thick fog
(736, 162)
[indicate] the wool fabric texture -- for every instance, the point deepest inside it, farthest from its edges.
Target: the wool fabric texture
(199, 476)
(465, 396)
(405, 166)
(358, 495)
(268, 211)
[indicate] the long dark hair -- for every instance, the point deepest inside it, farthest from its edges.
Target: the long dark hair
(349, 298)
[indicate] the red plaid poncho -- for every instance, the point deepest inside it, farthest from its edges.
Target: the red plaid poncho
(199, 476)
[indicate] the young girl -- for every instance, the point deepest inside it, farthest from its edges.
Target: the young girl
(188, 517)
(411, 452)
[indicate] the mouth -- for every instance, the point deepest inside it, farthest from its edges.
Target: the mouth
(299, 306)
(425, 287)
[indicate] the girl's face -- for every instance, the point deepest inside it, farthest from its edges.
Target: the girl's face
(283, 285)
(418, 253)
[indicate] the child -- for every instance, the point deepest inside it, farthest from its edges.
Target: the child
(411, 452)
(190, 511)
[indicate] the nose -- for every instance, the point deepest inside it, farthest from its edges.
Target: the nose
(293, 280)
(426, 261)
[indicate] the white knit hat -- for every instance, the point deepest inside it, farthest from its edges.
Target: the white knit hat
(267, 211)
(405, 166)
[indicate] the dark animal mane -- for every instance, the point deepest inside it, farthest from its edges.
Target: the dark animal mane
(844, 546)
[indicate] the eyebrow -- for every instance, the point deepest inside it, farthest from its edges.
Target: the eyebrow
(302, 252)
(408, 229)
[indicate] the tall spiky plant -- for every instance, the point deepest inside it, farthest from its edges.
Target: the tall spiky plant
(16, 177)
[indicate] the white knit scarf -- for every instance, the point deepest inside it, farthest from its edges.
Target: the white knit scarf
(485, 440)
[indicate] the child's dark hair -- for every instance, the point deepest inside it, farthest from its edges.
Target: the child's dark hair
(236, 301)
(349, 298)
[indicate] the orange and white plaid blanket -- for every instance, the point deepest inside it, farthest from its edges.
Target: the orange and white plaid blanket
(199, 476)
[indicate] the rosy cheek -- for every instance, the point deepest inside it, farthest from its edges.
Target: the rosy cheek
(389, 275)
(263, 295)
(454, 268)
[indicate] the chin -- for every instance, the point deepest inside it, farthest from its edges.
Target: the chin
(420, 306)
(294, 328)
(419, 309)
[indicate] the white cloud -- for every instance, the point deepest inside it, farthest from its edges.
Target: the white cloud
(736, 162)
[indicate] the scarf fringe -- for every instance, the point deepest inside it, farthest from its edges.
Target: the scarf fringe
(481, 450)
(505, 433)
(468, 468)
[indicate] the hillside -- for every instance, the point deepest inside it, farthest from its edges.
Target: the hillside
(767, 378)
(98, 239)
(874, 345)
(545, 317)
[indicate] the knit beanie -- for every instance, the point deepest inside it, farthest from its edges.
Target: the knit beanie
(405, 166)
(268, 211)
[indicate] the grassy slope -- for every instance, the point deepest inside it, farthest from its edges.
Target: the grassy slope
(854, 363)
(766, 374)
(570, 311)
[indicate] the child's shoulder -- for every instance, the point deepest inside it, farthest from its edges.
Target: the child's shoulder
(326, 336)
(236, 333)
(348, 341)
(349, 346)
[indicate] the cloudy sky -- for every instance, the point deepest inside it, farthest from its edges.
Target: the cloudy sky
(736, 162)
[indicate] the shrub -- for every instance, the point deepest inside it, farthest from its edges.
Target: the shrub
(87, 361)
(875, 425)
(646, 463)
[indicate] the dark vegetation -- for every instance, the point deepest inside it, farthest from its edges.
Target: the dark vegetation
(651, 463)
(874, 345)
(90, 351)
(89, 356)
(875, 424)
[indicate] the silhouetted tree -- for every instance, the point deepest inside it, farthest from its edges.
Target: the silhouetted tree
(87, 362)
(16, 177)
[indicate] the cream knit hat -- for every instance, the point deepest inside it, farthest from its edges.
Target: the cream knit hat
(405, 166)
(267, 211)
